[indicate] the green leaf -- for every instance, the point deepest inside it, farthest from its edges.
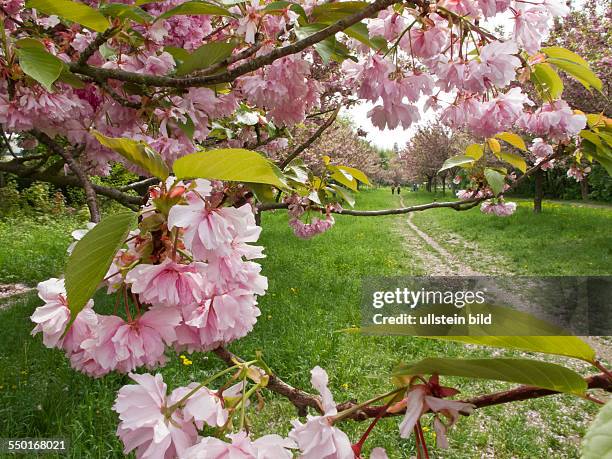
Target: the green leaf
(562, 53)
(338, 10)
(121, 11)
(495, 180)
(547, 81)
(280, 6)
(459, 160)
(515, 160)
(179, 54)
(597, 443)
(190, 8)
(344, 194)
(73, 11)
(580, 73)
(37, 62)
(360, 33)
(521, 371)
(494, 146)
(138, 153)
(343, 177)
(233, 164)
(356, 174)
(205, 56)
(568, 346)
(70, 78)
(92, 256)
(474, 151)
(513, 139)
(263, 193)
(328, 49)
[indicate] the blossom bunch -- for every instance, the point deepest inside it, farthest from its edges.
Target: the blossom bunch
(190, 273)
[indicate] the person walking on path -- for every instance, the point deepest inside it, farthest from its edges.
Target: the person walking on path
(393, 189)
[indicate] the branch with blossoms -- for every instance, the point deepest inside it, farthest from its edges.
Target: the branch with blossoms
(302, 400)
(190, 93)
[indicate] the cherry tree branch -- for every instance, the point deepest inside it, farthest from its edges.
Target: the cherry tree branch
(298, 151)
(90, 193)
(21, 170)
(230, 75)
(462, 205)
(302, 400)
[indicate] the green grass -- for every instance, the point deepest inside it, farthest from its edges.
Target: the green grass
(314, 292)
(33, 249)
(563, 240)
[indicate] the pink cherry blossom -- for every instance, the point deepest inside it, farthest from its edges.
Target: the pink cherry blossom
(145, 424)
(379, 453)
(309, 230)
(578, 173)
(418, 402)
(490, 8)
(52, 318)
(530, 27)
(168, 283)
(554, 120)
(221, 319)
(241, 447)
(388, 24)
(499, 114)
(425, 42)
(497, 67)
(318, 438)
(210, 230)
(205, 407)
(250, 21)
(499, 208)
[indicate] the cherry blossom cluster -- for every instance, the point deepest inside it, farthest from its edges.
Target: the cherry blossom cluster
(157, 424)
(297, 208)
(432, 51)
(190, 274)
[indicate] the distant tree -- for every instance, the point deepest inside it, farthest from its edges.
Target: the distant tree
(423, 157)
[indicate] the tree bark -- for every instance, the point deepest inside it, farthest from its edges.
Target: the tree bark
(584, 189)
(539, 191)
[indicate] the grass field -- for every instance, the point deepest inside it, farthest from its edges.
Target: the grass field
(314, 292)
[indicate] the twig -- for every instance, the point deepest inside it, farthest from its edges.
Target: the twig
(311, 140)
(141, 185)
(302, 400)
(100, 39)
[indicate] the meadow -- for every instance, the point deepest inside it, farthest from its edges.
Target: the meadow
(314, 293)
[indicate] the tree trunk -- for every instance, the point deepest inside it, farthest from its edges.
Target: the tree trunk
(429, 184)
(444, 186)
(584, 189)
(539, 191)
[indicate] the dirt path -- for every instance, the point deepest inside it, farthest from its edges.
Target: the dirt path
(437, 260)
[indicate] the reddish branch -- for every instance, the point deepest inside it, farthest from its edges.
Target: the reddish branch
(302, 400)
